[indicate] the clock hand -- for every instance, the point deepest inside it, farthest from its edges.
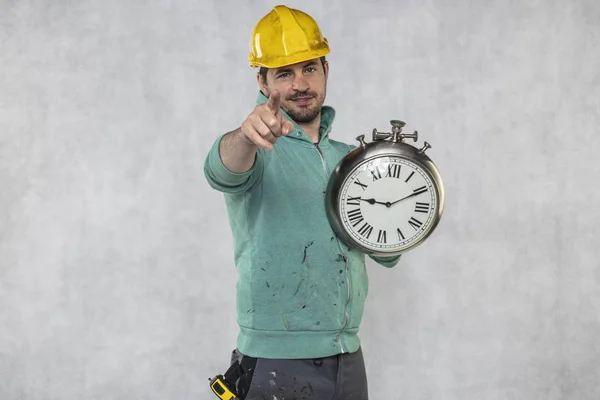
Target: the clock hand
(373, 201)
(404, 198)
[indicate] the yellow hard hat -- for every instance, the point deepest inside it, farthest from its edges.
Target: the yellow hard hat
(286, 36)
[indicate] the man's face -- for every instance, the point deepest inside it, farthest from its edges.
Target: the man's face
(303, 87)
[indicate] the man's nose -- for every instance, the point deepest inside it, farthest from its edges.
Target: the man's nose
(300, 84)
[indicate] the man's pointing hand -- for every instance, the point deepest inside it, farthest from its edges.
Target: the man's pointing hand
(266, 123)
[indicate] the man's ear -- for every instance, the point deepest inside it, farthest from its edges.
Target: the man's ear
(262, 85)
(326, 69)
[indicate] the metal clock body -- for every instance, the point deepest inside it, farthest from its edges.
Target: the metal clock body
(385, 197)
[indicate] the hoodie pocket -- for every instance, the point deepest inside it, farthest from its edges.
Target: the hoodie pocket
(317, 303)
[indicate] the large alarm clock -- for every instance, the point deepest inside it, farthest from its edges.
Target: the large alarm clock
(385, 197)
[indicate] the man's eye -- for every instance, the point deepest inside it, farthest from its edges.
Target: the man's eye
(311, 69)
(283, 75)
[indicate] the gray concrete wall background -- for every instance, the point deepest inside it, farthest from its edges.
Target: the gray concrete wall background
(116, 276)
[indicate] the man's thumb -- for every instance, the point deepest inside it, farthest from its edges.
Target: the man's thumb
(287, 126)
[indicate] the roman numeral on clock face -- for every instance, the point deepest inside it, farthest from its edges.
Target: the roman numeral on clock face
(362, 185)
(400, 235)
(415, 223)
(381, 237)
(420, 190)
(366, 230)
(355, 216)
(422, 207)
(353, 201)
(410, 176)
(393, 171)
(376, 173)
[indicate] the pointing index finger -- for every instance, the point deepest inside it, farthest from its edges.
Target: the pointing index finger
(274, 101)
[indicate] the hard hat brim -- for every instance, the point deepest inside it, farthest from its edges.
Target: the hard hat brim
(289, 60)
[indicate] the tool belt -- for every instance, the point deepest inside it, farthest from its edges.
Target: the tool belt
(235, 382)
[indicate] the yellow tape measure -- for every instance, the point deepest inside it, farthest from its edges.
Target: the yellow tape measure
(221, 389)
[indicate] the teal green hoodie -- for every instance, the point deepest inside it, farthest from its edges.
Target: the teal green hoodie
(301, 290)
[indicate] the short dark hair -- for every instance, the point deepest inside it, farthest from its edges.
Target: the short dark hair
(263, 70)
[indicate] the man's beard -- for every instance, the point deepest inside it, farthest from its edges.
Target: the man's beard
(304, 114)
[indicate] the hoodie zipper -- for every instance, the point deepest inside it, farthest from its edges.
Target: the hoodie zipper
(322, 158)
(346, 316)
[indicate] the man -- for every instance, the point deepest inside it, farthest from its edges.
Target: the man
(301, 291)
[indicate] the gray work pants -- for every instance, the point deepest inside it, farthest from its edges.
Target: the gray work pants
(339, 377)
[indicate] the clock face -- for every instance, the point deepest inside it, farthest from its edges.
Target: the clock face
(388, 204)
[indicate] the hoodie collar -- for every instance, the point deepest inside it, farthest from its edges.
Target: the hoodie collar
(327, 118)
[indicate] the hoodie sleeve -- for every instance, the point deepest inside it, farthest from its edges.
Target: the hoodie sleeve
(224, 180)
(388, 262)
